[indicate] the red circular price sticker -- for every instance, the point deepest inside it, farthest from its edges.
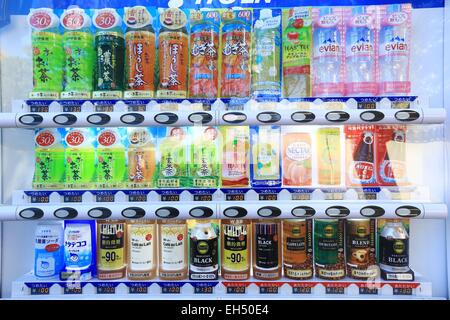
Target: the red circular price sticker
(74, 138)
(45, 139)
(73, 20)
(107, 138)
(40, 20)
(105, 20)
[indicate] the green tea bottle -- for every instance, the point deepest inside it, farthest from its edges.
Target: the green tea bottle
(110, 54)
(79, 51)
(80, 158)
(111, 159)
(48, 54)
(49, 164)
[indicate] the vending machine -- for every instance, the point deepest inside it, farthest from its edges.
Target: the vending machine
(224, 149)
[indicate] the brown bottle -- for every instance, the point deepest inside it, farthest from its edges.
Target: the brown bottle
(111, 253)
(235, 249)
(297, 249)
(141, 249)
(173, 255)
(266, 249)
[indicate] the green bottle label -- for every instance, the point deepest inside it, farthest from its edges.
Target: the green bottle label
(172, 167)
(49, 168)
(111, 167)
(110, 48)
(80, 167)
(204, 167)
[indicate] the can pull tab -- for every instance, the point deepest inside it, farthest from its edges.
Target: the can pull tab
(166, 118)
(407, 115)
(99, 119)
(65, 213)
(132, 118)
(65, 119)
(31, 119)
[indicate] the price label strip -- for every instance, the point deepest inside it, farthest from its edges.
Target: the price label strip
(138, 287)
(202, 195)
(71, 105)
(39, 196)
(368, 288)
(170, 195)
(267, 194)
(39, 105)
(335, 287)
(73, 287)
(300, 193)
(204, 287)
(106, 287)
(105, 195)
(234, 194)
(72, 196)
(302, 287)
(137, 195)
(236, 287)
(403, 289)
(137, 105)
(39, 288)
(171, 287)
(269, 287)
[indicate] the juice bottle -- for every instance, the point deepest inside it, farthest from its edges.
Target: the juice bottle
(141, 249)
(204, 167)
(80, 158)
(49, 159)
(140, 53)
(204, 251)
(297, 249)
(296, 153)
(48, 54)
(267, 249)
(266, 75)
(204, 68)
(235, 54)
(111, 251)
(329, 156)
(297, 45)
(266, 156)
(236, 249)
(173, 255)
(141, 157)
(110, 51)
(78, 42)
(111, 158)
(173, 42)
(172, 166)
(235, 158)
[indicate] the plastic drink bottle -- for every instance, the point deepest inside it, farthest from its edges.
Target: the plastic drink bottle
(48, 250)
(78, 44)
(327, 54)
(48, 54)
(360, 53)
(266, 78)
(394, 51)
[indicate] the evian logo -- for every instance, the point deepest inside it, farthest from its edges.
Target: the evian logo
(362, 46)
(361, 20)
(396, 44)
(107, 138)
(329, 46)
(74, 138)
(328, 21)
(203, 2)
(397, 18)
(40, 19)
(45, 139)
(73, 19)
(298, 151)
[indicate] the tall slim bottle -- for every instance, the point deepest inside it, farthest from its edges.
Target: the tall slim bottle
(235, 249)
(266, 249)
(173, 255)
(111, 251)
(141, 249)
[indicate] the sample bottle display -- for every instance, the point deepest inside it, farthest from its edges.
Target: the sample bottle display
(297, 249)
(329, 156)
(48, 54)
(394, 247)
(78, 248)
(173, 51)
(141, 249)
(110, 52)
(141, 157)
(140, 53)
(236, 249)
(111, 251)
(204, 251)
(329, 248)
(266, 248)
(48, 250)
(173, 250)
(78, 42)
(236, 156)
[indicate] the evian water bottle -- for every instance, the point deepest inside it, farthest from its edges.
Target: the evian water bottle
(394, 50)
(327, 53)
(360, 53)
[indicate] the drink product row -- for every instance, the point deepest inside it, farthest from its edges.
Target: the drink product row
(178, 53)
(201, 249)
(229, 156)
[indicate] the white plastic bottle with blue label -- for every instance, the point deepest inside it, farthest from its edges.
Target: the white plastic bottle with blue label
(394, 50)
(78, 247)
(327, 53)
(360, 53)
(48, 254)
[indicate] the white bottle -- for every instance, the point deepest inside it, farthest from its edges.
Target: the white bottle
(48, 253)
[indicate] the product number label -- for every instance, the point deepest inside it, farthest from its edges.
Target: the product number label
(137, 198)
(40, 199)
(104, 108)
(403, 291)
(203, 197)
(104, 198)
(235, 197)
(72, 108)
(301, 290)
(236, 289)
(73, 290)
(40, 291)
(139, 108)
(104, 289)
(268, 289)
(366, 290)
(39, 108)
(77, 198)
(138, 289)
(170, 197)
(171, 289)
(367, 105)
(268, 197)
(204, 289)
(335, 290)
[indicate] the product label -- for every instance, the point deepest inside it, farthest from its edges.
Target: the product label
(298, 151)
(331, 273)
(74, 19)
(365, 273)
(235, 250)
(173, 247)
(77, 246)
(140, 64)
(327, 244)
(266, 246)
(303, 274)
(45, 139)
(360, 40)
(394, 252)
(142, 246)
(75, 138)
(137, 17)
(393, 171)
(106, 19)
(204, 255)
(362, 171)
(296, 244)
(111, 246)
